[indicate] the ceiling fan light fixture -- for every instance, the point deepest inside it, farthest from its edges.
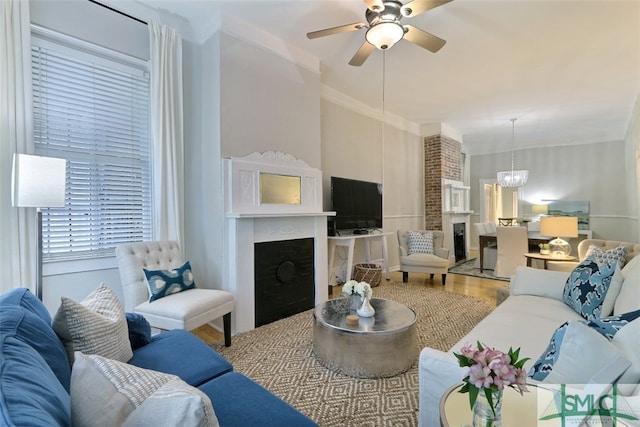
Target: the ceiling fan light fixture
(385, 34)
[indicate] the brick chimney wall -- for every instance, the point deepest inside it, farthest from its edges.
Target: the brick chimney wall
(442, 160)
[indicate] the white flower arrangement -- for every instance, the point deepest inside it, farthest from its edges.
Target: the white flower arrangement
(357, 288)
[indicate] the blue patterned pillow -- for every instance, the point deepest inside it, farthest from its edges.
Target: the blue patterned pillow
(549, 357)
(608, 326)
(587, 286)
(579, 353)
(610, 256)
(420, 243)
(139, 330)
(166, 282)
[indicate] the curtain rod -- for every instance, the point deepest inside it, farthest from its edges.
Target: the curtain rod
(118, 11)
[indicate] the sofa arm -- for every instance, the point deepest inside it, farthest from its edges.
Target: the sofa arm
(537, 282)
(437, 372)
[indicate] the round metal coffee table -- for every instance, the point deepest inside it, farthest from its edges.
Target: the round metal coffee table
(381, 346)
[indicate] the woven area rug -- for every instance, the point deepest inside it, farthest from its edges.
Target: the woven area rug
(279, 356)
(468, 268)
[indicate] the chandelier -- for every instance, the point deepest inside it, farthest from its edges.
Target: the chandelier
(513, 178)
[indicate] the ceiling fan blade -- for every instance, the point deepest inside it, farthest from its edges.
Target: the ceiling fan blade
(416, 7)
(362, 54)
(423, 39)
(336, 30)
(375, 5)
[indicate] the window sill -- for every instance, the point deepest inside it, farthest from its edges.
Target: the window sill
(55, 268)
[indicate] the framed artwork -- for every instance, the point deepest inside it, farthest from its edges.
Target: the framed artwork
(579, 208)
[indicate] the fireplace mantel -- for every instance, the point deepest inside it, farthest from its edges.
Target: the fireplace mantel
(250, 221)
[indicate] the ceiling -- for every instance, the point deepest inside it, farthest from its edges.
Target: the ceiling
(569, 71)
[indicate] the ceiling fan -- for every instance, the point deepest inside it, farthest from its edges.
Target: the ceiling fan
(384, 28)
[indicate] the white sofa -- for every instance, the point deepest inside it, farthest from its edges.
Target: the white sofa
(526, 319)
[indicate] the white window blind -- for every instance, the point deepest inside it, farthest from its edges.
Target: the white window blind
(93, 112)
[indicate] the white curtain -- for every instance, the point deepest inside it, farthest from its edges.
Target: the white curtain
(17, 225)
(166, 131)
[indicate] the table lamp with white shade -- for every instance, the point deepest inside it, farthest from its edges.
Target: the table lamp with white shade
(559, 226)
(38, 182)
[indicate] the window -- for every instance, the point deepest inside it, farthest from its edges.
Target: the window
(91, 107)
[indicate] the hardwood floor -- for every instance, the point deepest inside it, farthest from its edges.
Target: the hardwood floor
(457, 284)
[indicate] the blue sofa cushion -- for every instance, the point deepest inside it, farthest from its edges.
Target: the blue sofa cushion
(230, 393)
(139, 330)
(181, 353)
(30, 393)
(22, 297)
(33, 331)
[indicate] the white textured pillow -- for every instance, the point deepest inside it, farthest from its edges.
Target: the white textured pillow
(612, 293)
(537, 282)
(627, 339)
(420, 243)
(106, 392)
(586, 357)
(629, 296)
(633, 263)
(97, 325)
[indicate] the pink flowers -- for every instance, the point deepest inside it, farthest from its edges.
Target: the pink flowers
(491, 370)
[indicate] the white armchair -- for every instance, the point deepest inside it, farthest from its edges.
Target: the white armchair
(436, 263)
(188, 309)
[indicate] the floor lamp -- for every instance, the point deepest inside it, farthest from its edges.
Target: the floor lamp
(38, 182)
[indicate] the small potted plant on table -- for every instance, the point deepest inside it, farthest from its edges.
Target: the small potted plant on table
(544, 248)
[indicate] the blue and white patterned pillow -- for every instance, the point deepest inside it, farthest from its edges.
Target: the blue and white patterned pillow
(609, 256)
(165, 282)
(578, 348)
(587, 286)
(608, 326)
(420, 243)
(549, 357)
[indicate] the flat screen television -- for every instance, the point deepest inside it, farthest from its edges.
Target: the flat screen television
(357, 204)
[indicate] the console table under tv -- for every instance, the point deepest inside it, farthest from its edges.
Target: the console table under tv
(349, 241)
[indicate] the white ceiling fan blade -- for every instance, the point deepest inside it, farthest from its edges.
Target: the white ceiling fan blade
(374, 5)
(362, 54)
(336, 30)
(416, 7)
(423, 39)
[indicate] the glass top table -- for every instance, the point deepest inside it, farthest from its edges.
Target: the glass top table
(380, 346)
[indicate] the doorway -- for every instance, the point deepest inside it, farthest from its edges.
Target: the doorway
(498, 202)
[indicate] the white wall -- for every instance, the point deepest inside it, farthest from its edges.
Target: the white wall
(632, 169)
(267, 103)
(592, 172)
(353, 146)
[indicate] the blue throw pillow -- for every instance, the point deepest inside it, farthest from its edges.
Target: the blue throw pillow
(139, 330)
(587, 286)
(22, 297)
(549, 357)
(166, 282)
(29, 328)
(608, 326)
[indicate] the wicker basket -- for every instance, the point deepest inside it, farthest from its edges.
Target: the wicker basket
(370, 273)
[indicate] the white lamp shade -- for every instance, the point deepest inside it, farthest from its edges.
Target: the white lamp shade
(559, 226)
(38, 182)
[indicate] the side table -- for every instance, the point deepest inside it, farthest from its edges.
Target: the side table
(517, 410)
(536, 255)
